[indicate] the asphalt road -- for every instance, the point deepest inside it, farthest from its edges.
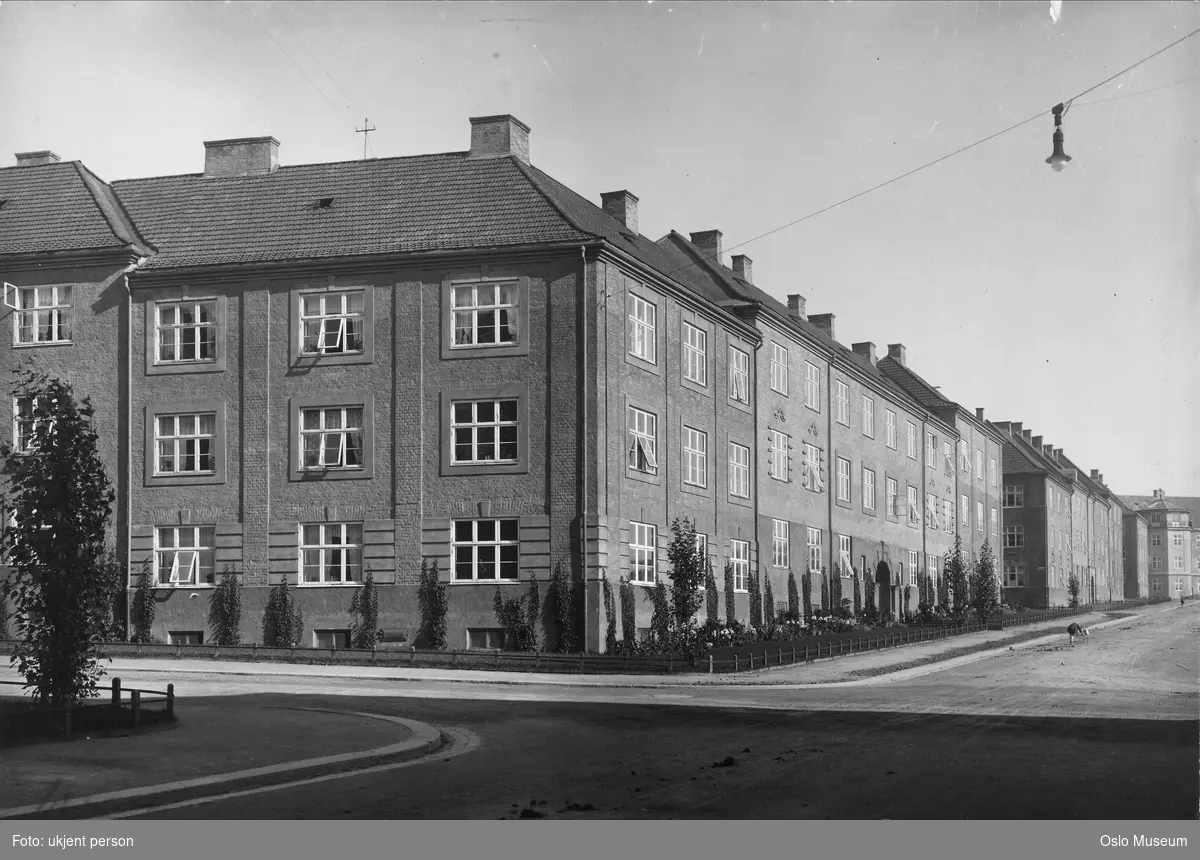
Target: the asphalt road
(1104, 730)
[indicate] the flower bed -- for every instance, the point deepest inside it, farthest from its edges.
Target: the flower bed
(24, 720)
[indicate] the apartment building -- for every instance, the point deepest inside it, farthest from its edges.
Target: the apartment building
(1173, 539)
(1135, 552)
(333, 369)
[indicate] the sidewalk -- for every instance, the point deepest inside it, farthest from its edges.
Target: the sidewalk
(837, 670)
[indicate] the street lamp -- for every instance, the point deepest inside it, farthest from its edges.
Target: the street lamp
(1058, 159)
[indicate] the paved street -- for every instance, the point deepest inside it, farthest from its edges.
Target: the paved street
(1034, 733)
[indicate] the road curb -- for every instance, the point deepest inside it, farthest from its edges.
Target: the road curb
(425, 740)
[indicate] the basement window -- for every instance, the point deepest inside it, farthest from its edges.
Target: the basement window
(186, 637)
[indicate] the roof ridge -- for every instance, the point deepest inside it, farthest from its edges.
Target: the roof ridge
(691, 250)
(528, 172)
(290, 167)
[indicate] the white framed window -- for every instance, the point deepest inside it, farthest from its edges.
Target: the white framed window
(332, 437)
(912, 441)
(485, 314)
(331, 323)
(912, 567)
(889, 422)
(778, 464)
(948, 457)
(932, 511)
(842, 396)
(1179, 586)
(739, 560)
(914, 506)
(843, 479)
(1177, 563)
(892, 493)
(1157, 585)
(812, 469)
(965, 513)
(184, 444)
(1014, 496)
(1177, 539)
(1014, 574)
(948, 515)
(1155, 562)
(993, 478)
(844, 555)
(978, 464)
(1014, 536)
(979, 527)
(42, 314)
(814, 550)
(1156, 540)
(330, 553)
(994, 523)
(739, 470)
(702, 546)
(868, 417)
(930, 451)
(868, 481)
(781, 554)
(739, 375)
(185, 555)
(486, 549)
(964, 457)
(643, 440)
(26, 423)
(186, 331)
(643, 337)
(812, 387)
(695, 457)
(779, 369)
(643, 552)
(695, 354)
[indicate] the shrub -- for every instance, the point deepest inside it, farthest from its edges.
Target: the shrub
(610, 614)
(628, 613)
(984, 600)
(533, 607)
(364, 615)
(825, 601)
(806, 587)
(858, 605)
(711, 601)
(870, 610)
(754, 600)
(3, 609)
(730, 598)
(142, 606)
(225, 610)
(1073, 589)
(769, 599)
(431, 599)
(687, 572)
(660, 620)
(793, 610)
(512, 616)
(956, 580)
(283, 622)
(563, 592)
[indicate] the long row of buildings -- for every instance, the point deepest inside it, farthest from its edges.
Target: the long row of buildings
(314, 372)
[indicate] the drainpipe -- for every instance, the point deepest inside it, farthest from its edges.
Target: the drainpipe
(832, 461)
(583, 471)
(127, 418)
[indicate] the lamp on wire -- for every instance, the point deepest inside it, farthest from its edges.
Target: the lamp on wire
(1058, 159)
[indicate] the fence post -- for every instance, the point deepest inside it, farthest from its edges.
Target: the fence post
(170, 700)
(751, 655)
(780, 656)
(793, 653)
(116, 692)
(735, 662)
(710, 664)
(805, 652)
(135, 699)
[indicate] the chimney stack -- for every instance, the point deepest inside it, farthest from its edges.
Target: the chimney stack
(898, 353)
(1003, 425)
(979, 413)
(243, 156)
(1158, 494)
(1095, 474)
(1016, 429)
(33, 159)
(1028, 436)
(1057, 454)
(623, 206)
(796, 303)
(709, 243)
(496, 136)
(743, 267)
(1100, 477)
(866, 349)
(1037, 443)
(1048, 450)
(824, 322)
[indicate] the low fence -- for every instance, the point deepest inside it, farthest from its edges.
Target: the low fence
(65, 715)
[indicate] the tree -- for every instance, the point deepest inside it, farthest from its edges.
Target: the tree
(835, 589)
(364, 614)
(431, 599)
(825, 604)
(533, 607)
(225, 610)
(660, 619)
(769, 599)
(858, 595)
(984, 599)
(1073, 589)
(955, 574)
(712, 603)
(628, 613)
(730, 597)
(610, 615)
(755, 608)
(61, 500)
(793, 598)
(563, 594)
(687, 571)
(870, 610)
(283, 620)
(142, 606)
(806, 589)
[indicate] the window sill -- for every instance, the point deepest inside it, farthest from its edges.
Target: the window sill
(162, 368)
(485, 582)
(644, 364)
(695, 490)
(328, 584)
(500, 350)
(740, 501)
(643, 584)
(740, 405)
(307, 361)
(694, 386)
(643, 477)
(168, 587)
(184, 480)
(43, 343)
(312, 475)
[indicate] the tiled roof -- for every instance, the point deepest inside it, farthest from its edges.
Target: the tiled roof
(1191, 504)
(389, 205)
(916, 387)
(50, 208)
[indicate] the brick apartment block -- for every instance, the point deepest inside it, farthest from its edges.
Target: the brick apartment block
(1169, 537)
(311, 372)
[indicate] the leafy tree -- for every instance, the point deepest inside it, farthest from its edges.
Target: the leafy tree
(793, 598)
(955, 574)
(563, 592)
(3, 609)
(431, 599)
(628, 613)
(660, 620)
(711, 601)
(731, 598)
(61, 500)
(1073, 589)
(610, 614)
(985, 601)
(687, 571)
(283, 620)
(806, 588)
(364, 612)
(142, 606)
(225, 610)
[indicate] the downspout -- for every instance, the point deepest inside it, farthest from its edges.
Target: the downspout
(832, 461)
(127, 418)
(583, 430)
(754, 410)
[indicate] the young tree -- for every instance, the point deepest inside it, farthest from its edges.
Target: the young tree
(870, 610)
(142, 606)
(563, 592)
(512, 617)
(730, 597)
(824, 591)
(835, 589)
(687, 571)
(858, 595)
(61, 500)
(955, 574)
(755, 618)
(660, 620)
(431, 599)
(793, 598)
(985, 601)
(628, 613)
(225, 610)
(610, 615)
(1073, 589)
(533, 607)
(806, 590)
(771, 616)
(364, 614)
(283, 620)
(712, 602)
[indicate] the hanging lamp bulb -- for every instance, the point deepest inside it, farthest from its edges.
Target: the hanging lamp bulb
(1058, 159)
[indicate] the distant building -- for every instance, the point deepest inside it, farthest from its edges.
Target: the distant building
(1174, 542)
(1136, 552)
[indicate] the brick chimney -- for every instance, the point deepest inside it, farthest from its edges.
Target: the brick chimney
(496, 136)
(33, 159)
(1048, 450)
(1037, 443)
(1100, 477)
(1158, 494)
(623, 206)
(243, 156)
(709, 243)
(1016, 429)
(866, 349)
(743, 267)
(1057, 454)
(1003, 425)
(796, 305)
(824, 322)
(898, 353)
(979, 413)
(1027, 435)
(1095, 474)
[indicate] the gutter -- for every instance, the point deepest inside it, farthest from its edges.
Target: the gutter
(127, 419)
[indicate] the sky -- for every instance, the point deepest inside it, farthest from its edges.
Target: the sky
(1067, 301)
